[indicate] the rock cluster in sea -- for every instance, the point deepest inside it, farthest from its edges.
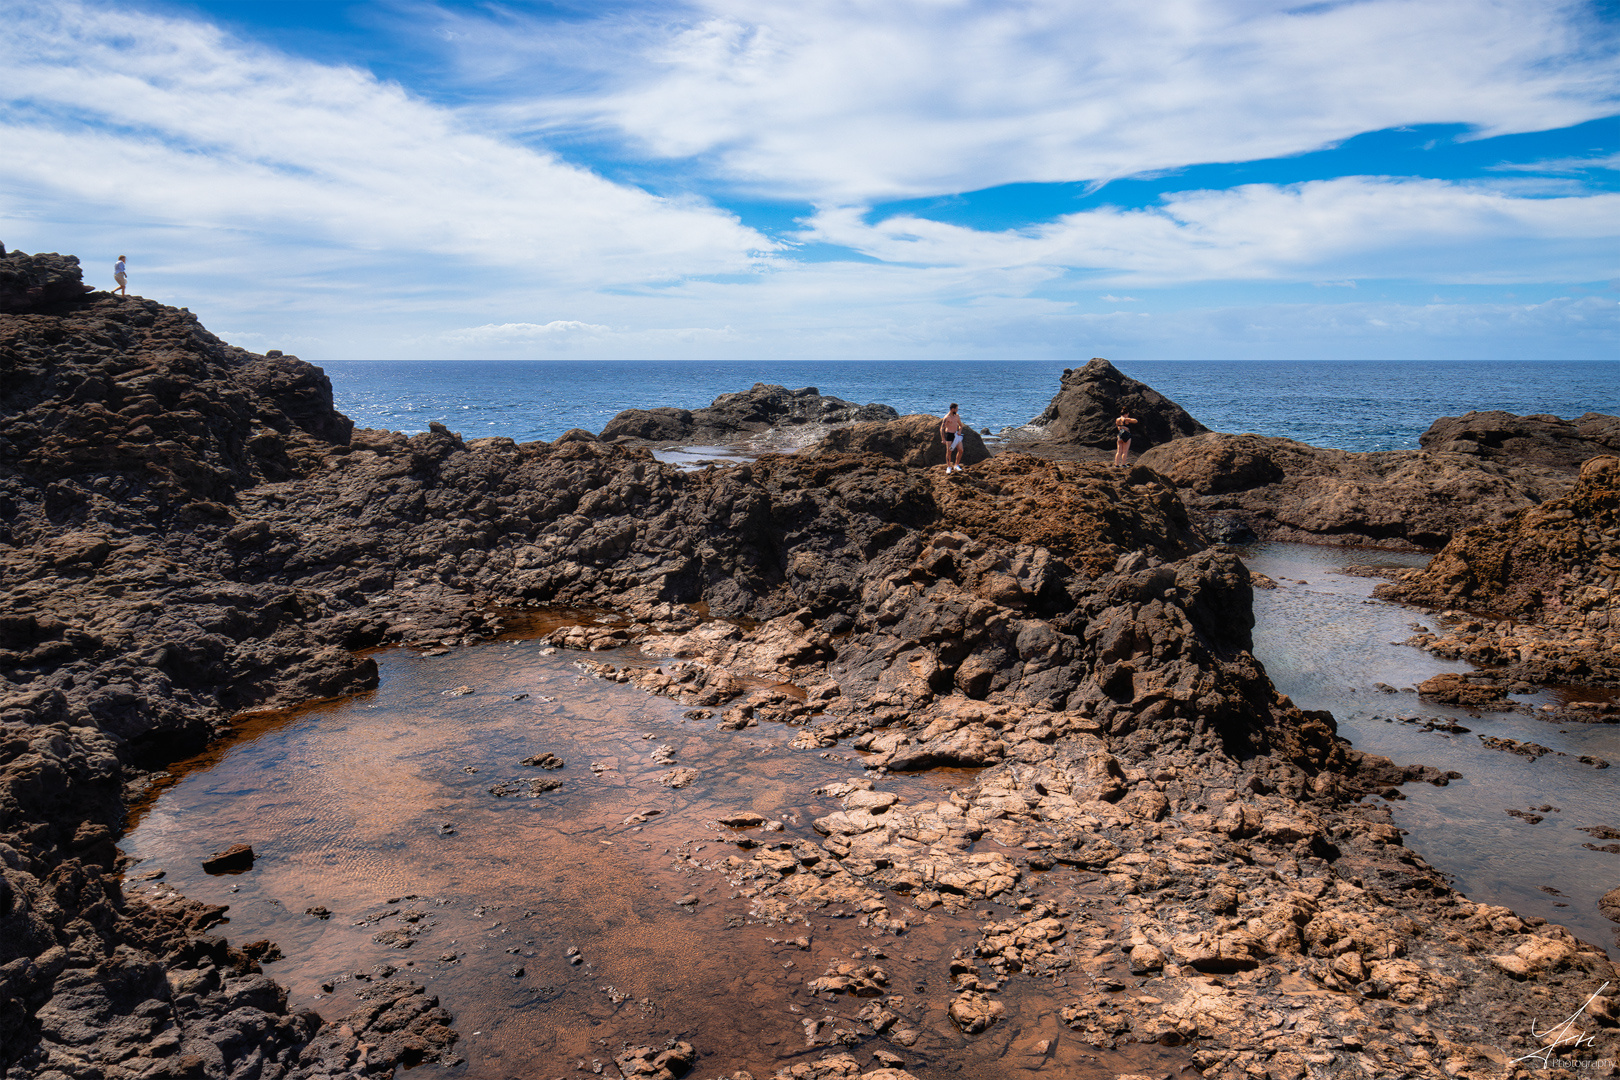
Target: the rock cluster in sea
(192, 531)
(764, 408)
(1090, 398)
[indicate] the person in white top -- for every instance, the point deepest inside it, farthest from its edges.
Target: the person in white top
(120, 277)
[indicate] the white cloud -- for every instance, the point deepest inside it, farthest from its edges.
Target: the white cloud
(1562, 165)
(1352, 227)
(523, 333)
(317, 207)
(168, 123)
(840, 102)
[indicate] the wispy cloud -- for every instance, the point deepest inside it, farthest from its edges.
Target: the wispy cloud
(1568, 165)
(844, 103)
(1353, 227)
(169, 123)
(555, 331)
(562, 187)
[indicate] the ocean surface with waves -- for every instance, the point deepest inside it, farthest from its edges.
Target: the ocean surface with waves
(1364, 405)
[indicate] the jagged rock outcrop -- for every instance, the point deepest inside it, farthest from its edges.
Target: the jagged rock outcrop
(38, 282)
(1287, 490)
(733, 417)
(126, 426)
(1547, 578)
(912, 440)
(1083, 411)
(1056, 625)
(1526, 440)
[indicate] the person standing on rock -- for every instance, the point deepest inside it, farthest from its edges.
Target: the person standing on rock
(120, 277)
(950, 433)
(1124, 432)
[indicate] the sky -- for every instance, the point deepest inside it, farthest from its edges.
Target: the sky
(831, 179)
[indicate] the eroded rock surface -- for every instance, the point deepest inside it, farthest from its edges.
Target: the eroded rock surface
(1545, 582)
(1287, 490)
(734, 417)
(1527, 440)
(911, 440)
(1082, 413)
(191, 531)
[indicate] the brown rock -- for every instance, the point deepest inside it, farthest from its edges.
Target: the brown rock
(1083, 411)
(232, 860)
(912, 440)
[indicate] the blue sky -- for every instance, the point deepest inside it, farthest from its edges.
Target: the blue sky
(1411, 179)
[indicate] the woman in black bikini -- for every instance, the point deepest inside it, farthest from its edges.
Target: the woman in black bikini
(1123, 433)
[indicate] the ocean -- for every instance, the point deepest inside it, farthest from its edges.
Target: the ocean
(1364, 405)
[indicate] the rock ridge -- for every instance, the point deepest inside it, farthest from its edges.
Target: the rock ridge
(1060, 627)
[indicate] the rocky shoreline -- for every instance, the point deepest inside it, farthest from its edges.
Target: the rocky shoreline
(192, 532)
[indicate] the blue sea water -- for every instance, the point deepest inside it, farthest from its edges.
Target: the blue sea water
(1363, 405)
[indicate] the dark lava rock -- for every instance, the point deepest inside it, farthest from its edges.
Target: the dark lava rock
(233, 860)
(1556, 565)
(1083, 411)
(185, 535)
(1532, 440)
(913, 441)
(730, 417)
(1287, 490)
(1478, 469)
(39, 282)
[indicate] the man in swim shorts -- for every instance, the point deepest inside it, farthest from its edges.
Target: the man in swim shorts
(120, 277)
(950, 433)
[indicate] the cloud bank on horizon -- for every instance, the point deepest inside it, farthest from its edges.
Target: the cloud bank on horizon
(939, 178)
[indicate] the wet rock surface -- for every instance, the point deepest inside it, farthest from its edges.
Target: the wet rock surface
(192, 532)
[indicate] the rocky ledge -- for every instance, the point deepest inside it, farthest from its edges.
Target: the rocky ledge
(1476, 469)
(1533, 600)
(191, 531)
(783, 417)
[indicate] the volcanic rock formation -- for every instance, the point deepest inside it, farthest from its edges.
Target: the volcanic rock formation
(38, 282)
(191, 530)
(1545, 580)
(733, 417)
(913, 441)
(1084, 410)
(1530, 440)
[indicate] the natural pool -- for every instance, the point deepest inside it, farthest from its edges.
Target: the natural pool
(380, 811)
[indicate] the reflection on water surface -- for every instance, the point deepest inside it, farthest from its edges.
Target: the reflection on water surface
(379, 810)
(1325, 643)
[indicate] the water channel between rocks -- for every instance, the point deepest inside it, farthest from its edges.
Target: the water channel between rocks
(1327, 645)
(379, 810)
